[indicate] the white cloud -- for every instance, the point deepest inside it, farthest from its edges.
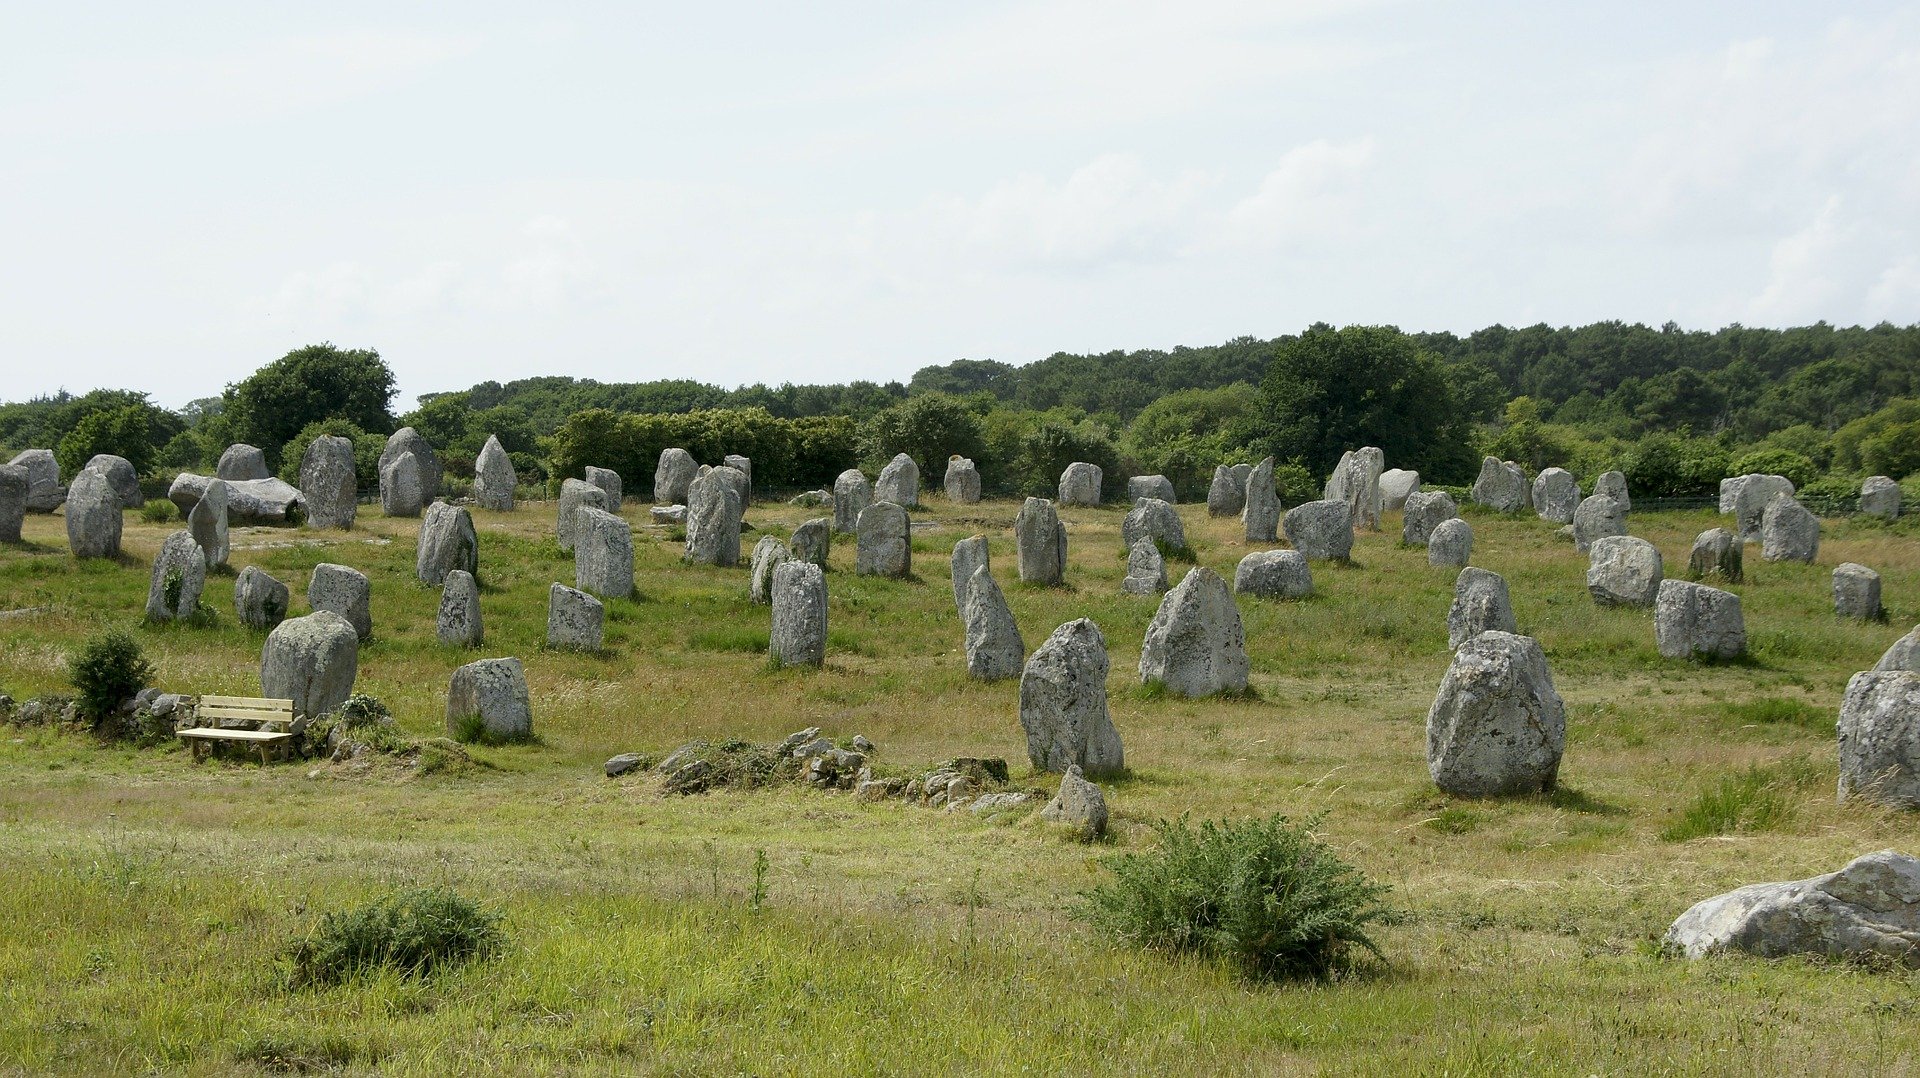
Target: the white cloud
(1313, 193)
(1107, 209)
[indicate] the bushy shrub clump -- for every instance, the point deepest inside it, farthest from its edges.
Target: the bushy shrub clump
(107, 669)
(414, 932)
(1265, 895)
(159, 511)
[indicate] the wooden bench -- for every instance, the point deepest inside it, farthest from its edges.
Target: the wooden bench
(279, 730)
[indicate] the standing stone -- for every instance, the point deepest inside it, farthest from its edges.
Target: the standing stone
(1789, 531)
(447, 542)
(884, 541)
(1903, 655)
(311, 661)
(1040, 543)
(672, 476)
(995, 650)
(1856, 592)
(1695, 621)
(259, 600)
(407, 440)
(1146, 570)
(1597, 517)
(1451, 544)
(13, 501)
(1080, 484)
(1422, 512)
(1396, 484)
(799, 635)
(1614, 485)
(1151, 518)
(1079, 806)
(742, 484)
(969, 554)
(1260, 513)
(126, 482)
(745, 467)
(1501, 486)
(1716, 553)
(1195, 644)
(242, 461)
(1242, 476)
(493, 477)
(1751, 496)
(1879, 735)
(1497, 726)
(713, 519)
(1274, 574)
(1151, 486)
(345, 591)
(608, 481)
(962, 481)
(768, 554)
(899, 482)
(44, 492)
(1322, 530)
(1480, 604)
(603, 553)
(1063, 703)
(327, 482)
(1870, 909)
(813, 541)
(576, 621)
(1880, 497)
(93, 517)
(208, 522)
(851, 494)
(1624, 571)
(458, 623)
(494, 691)
(1556, 494)
(249, 501)
(1227, 494)
(574, 494)
(179, 574)
(401, 491)
(1356, 481)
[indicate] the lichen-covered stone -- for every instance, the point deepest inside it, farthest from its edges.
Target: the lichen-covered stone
(813, 541)
(1260, 514)
(1040, 543)
(713, 519)
(799, 634)
(851, 494)
(608, 481)
(1395, 485)
(1597, 517)
(1079, 806)
(1146, 569)
(1694, 621)
(672, 476)
(1274, 574)
(969, 554)
(1856, 592)
(119, 472)
(94, 520)
(574, 495)
(576, 621)
(242, 461)
(899, 482)
(495, 692)
(447, 541)
(884, 541)
(345, 591)
(1080, 484)
(1195, 644)
(1501, 486)
(603, 554)
(259, 600)
(745, 467)
(458, 623)
(1422, 512)
(1880, 497)
(1356, 481)
(1322, 530)
(402, 493)
(179, 574)
(1624, 571)
(1063, 703)
(1227, 494)
(208, 523)
(407, 440)
(1751, 494)
(1903, 655)
(312, 661)
(1717, 553)
(249, 501)
(44, 490)
(1451, 544)
(1556, 494)
(768, 554)
(1480, 604)
(1870, 909)
(1789, 531)
(1151, 486)
(1879, 736)
(493, 477)
(962, 481)
(995, 649)
(1151, 518)
(1614, 485)
(327, 482)
(1497, 726)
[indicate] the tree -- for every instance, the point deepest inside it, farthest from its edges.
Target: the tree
(929, 428)
(123, 432)
(306, 386)
(1337, 389)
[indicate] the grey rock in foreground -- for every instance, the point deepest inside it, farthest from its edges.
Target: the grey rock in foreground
(673, 476)
(94, 520)
(1501, 486)
(119, 472)
(1151, 486)
(494, 691)
(1080, 484)
(1750, 495)
(1480, 604)
(851, 494)
(1151, 518)
(608, 481)
(242, 461)
(1451, 544)
(13, 501)
(249, 501)
(813, 541)
(1195, 644)
(768, 554)
(44, 492)
(407, 440)
(345, 591)
(1789, 531)
(884, 538)
(1694, 621)
(1227, 494)
(576, 621)
(1146, 570)
(1040, 543)
(899, 482)
(603, 554)
(1880, 497)
(402, 493)
(1879, 736)
(799, 634)
(493, 477)
(1422, 512)
(1717, 553)
(447, 541)
(995, 649)
(1497, 725)
(1079, 806)
(1869, 908)
(208, 523)
(327, 482)
(1903, 655)
(1597, 517)
(575, 494)
(1356, 481)
(311, 661)
(458, 624)
(1856, 592)
(179, 574)
(1260, 515)
(1063, 703)
(1273, 574)
(1395, 485)
(713, 519)
(1322, 530)
(969, 554)
(1556, 494)
(962, 481)
(1624, 571)
(259, 600)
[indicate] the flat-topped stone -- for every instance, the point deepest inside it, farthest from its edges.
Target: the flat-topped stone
(327, 483)
(1694, 621)
(1322, 530)
(576, 621)
(1063, 703)
(1274, 574)
(1040, 543)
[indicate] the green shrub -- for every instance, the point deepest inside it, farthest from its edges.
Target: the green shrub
(1795, 466)
(159, 511)
(1264, 895)
(107, 669)
(414, 932)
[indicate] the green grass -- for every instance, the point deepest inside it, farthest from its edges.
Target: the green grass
(1756, 799)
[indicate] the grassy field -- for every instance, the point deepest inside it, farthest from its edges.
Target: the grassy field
(148, 901)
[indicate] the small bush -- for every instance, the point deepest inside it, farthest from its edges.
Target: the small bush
(360, 718)
(1264, 895)
(159, 511)
(107, 669)
(414, 932)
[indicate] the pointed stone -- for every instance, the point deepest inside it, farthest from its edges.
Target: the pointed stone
(1195, 645)
(1063, 703)
(208, 522)
(493, 477)
(1079, 806)
(1497, 726)
(995, 650)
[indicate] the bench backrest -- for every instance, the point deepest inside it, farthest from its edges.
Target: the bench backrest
(250, 708)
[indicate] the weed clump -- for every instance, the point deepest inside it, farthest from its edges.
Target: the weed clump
(1755, 800)
(1266, 896)
(159, 511)
(106, 670)
(415, 933)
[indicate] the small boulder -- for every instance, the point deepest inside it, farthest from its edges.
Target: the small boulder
(1597, 517)
(899, 482)
(1451, 544)
(119, 472)
(1227, 494)
(1040, 543)
(1322, 530)
(1146, 570)
(608, 481)
(493, 692)
(1080, 484)
(259, 600)
(1789, 531)
(426, 461)
(1694, 621)
(179, 573)
(1195, 644)
(995, 650)
(242, 461)
(576, 621)
(312, 661)
(962, 481)
(1868, 909)
(1614, 485)
(345, 591)
(1273, 574)
(1903, 655)
(1079, 806)
(1480, 604)
(1063, 703)
(402, 492)
(1624, 571)
(1421, 512)
(1879, 736)
(799, 634)
(1717, 553)
(617, 766)
(1856, 592)
(1395, 486)
(1751, 494)
(458, 622)
(1497, 725)
(44, 491)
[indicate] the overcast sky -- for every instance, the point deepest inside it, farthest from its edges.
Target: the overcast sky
(828, 191)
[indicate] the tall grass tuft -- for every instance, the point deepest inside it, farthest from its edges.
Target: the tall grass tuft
(1755, 800)
(414, 932)
(1264, 895)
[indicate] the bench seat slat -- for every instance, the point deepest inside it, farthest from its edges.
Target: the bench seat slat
(242, 713)
(207, 733)
(279, 703)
